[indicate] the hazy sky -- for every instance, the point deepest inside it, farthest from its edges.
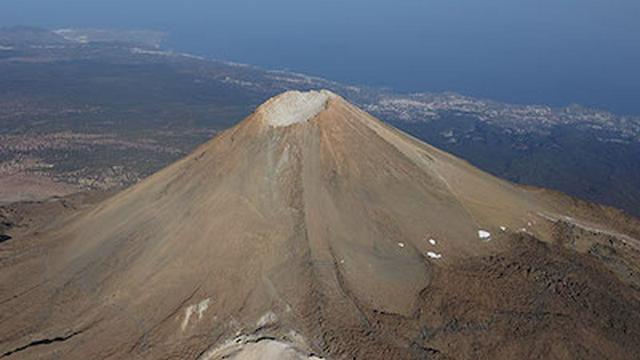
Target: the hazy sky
(529, 51)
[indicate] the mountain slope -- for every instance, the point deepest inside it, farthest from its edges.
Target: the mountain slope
(312, 229)
(116, 91)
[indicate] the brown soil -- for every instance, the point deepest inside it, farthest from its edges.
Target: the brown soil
(312, 240)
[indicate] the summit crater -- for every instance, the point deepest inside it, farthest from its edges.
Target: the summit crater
(293, 107)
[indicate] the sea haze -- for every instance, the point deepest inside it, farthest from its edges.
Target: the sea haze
(529, 51)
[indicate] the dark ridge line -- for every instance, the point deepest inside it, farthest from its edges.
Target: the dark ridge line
(40, 342)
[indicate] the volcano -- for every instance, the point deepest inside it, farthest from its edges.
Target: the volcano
(312, 230)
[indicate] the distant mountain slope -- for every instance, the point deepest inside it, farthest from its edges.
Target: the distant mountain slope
(102, 83)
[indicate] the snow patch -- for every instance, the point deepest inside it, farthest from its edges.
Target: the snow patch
(401, 244)
(484, 235)
(198, 309)
(432, 241)
(503, 228)
(267, 319)
(434, 255)
(253, 347)
(294, 107)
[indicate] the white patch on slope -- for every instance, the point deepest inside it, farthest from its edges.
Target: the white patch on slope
(433, 255)
(198, 308)
(284, 159)
(267, 319)
(251, 347)
(432, 241)
(294, 107)
(484, 235)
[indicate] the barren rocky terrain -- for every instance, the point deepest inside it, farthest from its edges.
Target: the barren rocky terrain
(313, 230)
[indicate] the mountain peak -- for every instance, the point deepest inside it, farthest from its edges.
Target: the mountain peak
(294, 107)
(344, 239)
